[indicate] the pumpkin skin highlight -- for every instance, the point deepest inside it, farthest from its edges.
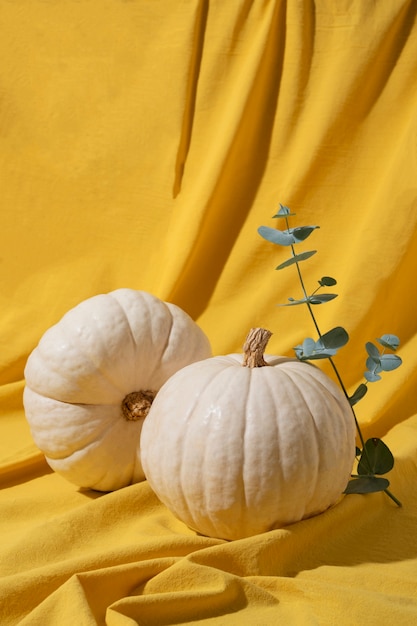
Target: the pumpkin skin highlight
(86, 365)
(235, 451)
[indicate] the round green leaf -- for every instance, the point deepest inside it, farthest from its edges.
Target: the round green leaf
(302, 232)
(372, 350)
(321, 298)
(376, 458)
(366, 484)
(327, 281)
(278, 237)
(372, 377)
(389, 341)
(335, 338)
(390, 362)
(284, 211)
(296, 259)
(308, 346)
(358, 394)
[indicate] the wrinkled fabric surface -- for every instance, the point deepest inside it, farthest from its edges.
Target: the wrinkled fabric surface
(142, 144)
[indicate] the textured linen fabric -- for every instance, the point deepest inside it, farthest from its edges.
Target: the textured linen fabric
(142, 143)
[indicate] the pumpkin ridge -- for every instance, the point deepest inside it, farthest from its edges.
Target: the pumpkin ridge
(105, 473)
(311, 419)
(285, 440)
(135, 346)
(244, 439)
(87, 355)
(169, 333)
(123, 311)
(330, 391)
(135, 350)
(38, 360)
(205, 460)
(279, 479)
(101, 427)
(246, 373)
(334, 410)
(209, 381)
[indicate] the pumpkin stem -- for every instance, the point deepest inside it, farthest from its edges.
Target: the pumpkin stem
(136, 405)
(254, 347)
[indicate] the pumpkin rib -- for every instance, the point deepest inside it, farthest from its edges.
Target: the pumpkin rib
(277, 431)
(166, 452)
(103, 481)
(171, 315)
(105, 367)
(337, 398)
(290, 389)
(40, 430)
(326, 389)
(259, 419)
(157, 357)
(328, 385)
(39, 361)
(230, 427)
(244, 459)
(184, 500)
(104, 371)
(306, 409)
(205, 461)
(128, 323)
(174, 349)
(333, 406)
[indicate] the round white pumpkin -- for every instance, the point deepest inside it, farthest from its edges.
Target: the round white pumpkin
(92, 377)
(236, 450)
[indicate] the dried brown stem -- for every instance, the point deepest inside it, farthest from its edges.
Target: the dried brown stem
(254, 347)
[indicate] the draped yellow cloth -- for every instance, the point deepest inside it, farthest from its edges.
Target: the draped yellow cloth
(142, 144)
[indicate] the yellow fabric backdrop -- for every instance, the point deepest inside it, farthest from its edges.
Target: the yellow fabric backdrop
(142, 143)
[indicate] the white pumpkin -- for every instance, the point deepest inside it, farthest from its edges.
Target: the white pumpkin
(236, 445)
(93, 376)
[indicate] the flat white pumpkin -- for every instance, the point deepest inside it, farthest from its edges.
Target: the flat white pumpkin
(92, 377)
(236, 450)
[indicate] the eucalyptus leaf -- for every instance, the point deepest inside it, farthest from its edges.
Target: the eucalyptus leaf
(372, 350)
(293, 302)
(278, 237)
(371, 377)
(299, 352)
(296, 259)
(284, 211)
(321, 298)
(373, 365)
(358, 394)
(389, 341)
(366, 484)
(320, 354)
(390, 362)
(376, 458)
(308, 346)
(334, 338)
(311, 350)
(302, 232)
(327, 281)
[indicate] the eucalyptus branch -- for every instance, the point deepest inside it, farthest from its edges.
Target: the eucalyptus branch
(374, 457)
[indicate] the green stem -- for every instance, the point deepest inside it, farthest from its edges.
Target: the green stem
(391, 495)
